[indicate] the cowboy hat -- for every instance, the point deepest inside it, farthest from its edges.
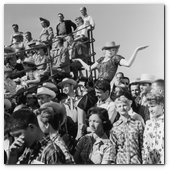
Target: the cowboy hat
(146, 78)
(46, 91)
(50, 86)
(67, 81)
(17, 35)
(58, 109)
(29, 61)
(39, 45)
(110, 44)
(45, 20)
(9, 50)
(7, 104)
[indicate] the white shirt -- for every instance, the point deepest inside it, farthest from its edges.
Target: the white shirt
(109, 105)
(88, 20)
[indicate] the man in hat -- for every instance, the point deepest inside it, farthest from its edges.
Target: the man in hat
(64, 27)
(145, 88)
(108, 65)
(16, 31)
(46, 34)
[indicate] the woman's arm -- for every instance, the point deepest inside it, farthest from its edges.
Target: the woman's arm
(128, 63)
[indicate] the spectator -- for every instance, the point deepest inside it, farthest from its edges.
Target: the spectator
(154, 131)
(17, 42)
(158, 87)
(88, 20)
(16, 31)
(108, 65)
(37, 149)
(119, 77)
(46, 34)
(145, 88)
(64, 27)
(96, 148)
(127, 135)
(102, 88)
(52, 117)
(28, 39)
(45, 95)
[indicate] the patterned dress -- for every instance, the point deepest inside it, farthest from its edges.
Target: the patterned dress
(94, 152)
(107, 70)
(127, 137)
(154, 141)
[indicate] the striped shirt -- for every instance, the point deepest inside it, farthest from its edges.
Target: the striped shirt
(127, 136)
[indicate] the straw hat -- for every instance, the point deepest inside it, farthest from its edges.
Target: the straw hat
(46, 91)
(110, 44)
(146, 78)
(38, 45)
(17, 35)
(29, 60)
(50, 86)
(67, 81)
(45, 20)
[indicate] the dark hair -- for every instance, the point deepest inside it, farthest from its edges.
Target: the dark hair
(134, 84)
(15, 25)
(103, 115)
(21, 119)
(103, 85)
(160, 83)
(60, 14)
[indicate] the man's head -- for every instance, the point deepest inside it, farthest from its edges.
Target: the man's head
(15, 27)
(79, 21)
(102, 88)
(28, 35)
(60, 17)
(83, 11)
(145, 87)
(125, 81)
(158, 87)
(30, 99)
(119, 76)
(24, 122)
(134, 90)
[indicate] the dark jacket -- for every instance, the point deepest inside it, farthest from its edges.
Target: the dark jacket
(68, 24)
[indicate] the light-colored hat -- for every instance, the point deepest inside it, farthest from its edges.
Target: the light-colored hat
(136, 80)
(50, 86)
(45, 20)
(29, 60)
(110, 44)
(7, 104)
(46, 91)
(58, 109)
(39, 45)
(146, 78)
(67, 81)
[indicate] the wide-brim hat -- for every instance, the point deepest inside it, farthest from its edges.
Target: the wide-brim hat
(31, 43)
(7, 104)
(38, 45)
(58, 109)
(146, 78)
(45, 20)
(50, 86)
(67, 81)
(46, 91)
(9, 50)
(29, 61)
(110, 44)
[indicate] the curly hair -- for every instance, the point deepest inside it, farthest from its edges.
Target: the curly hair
(155, 98)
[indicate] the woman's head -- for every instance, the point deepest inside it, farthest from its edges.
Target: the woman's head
(99, 120)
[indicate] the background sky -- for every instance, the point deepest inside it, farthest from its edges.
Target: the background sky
(127, 24)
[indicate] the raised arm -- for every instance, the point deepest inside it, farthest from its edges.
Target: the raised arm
(128, 63)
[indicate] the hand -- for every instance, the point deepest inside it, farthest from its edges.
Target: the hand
(24, 84)
(17, 146)
(142, 47)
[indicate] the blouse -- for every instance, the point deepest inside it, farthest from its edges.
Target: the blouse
(107, 70)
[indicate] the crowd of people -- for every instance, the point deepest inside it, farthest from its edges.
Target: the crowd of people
(55, 114)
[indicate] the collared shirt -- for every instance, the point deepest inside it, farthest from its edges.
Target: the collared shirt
(59, 142)
(109, 105)
(42, 152)
(88, 20)
(94, 152)
(127, 136)
(46, 34)
(154, 141)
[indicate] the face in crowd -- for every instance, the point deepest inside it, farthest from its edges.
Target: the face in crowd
(43, 98)
(135, 91)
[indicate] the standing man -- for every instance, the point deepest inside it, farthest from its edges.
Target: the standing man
(16, 31)
(88, 20)
(46, 34)
(64, 27)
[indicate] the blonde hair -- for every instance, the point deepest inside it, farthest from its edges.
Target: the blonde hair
(123, 99)
(155, 98)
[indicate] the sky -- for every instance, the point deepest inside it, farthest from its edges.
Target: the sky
(130, 25)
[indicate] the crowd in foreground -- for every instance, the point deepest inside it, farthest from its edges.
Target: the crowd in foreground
(53, 115)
